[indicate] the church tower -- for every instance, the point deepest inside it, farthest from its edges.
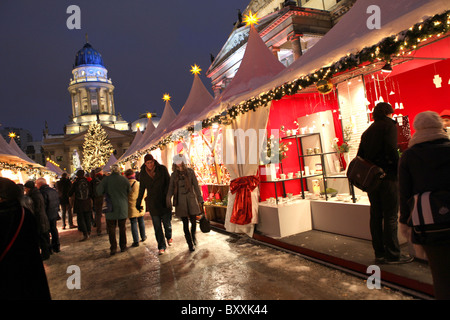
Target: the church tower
(91, 93)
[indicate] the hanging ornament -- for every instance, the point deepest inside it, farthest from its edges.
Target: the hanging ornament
(324, 86)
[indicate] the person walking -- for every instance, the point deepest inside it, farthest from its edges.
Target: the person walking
(43, 225)
(63, 186)
(424, 167)
(97, 199)
(51, 201)
(154, 179)
(22, 273)
(379, 146)
(187, 197)
(136, 217)
(117, 188)
(82, 203)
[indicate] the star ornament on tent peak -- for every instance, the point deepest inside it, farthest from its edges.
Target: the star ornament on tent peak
(250, 19)
(166, 97)
(195, 69)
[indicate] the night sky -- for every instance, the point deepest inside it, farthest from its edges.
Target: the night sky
(148, 48)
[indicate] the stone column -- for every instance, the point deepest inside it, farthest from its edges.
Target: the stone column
(88, 95)
(275, 51)
(296, 46)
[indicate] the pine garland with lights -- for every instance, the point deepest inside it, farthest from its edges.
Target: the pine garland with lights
(97, 148)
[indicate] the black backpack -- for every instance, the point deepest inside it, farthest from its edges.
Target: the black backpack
(82, 192)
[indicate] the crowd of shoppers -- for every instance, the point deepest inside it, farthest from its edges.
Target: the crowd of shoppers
(28, 216)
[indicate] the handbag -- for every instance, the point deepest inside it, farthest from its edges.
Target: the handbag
(205, 225)
(430, 211)
(364, 175)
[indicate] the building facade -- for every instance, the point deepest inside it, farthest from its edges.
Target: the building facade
(289, 29)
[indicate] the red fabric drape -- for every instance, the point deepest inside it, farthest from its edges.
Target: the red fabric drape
(242, 208)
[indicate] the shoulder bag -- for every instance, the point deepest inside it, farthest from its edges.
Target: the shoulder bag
(364, 175)
(430, 212)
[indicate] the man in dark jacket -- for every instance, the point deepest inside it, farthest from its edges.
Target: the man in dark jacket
(38, 209)
(82, 204)
(97, 199)
(379, 146)
(51, 201)
(63, 187)
(155, 178)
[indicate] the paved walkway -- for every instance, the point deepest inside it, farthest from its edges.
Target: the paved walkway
(223, 267)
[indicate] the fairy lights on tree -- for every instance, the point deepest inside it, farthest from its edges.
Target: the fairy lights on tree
(96, 148)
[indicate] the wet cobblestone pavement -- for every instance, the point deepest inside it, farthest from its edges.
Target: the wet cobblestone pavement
(223, 267)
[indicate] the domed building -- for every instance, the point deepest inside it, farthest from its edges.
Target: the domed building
(92, 93)
(92, 99)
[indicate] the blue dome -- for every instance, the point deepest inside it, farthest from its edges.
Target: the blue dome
(88, 56)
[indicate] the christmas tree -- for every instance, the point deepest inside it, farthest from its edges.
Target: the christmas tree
(96, 148)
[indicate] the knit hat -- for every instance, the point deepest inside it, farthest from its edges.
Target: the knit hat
(429, 126)
(445, 114)
(148, 157)
(381, 110)
(179, 158)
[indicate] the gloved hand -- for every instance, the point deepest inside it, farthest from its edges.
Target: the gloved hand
(139, 208)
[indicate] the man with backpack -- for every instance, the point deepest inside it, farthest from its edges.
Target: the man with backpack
(82, 204)
(51, 201)
(97, 199)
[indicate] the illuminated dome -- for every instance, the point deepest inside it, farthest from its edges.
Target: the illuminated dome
(88, 56)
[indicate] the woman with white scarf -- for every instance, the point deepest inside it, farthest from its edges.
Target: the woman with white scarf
(423, 167)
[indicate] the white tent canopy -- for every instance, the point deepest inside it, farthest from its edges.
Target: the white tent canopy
(167, 118)
(258, 66)
(50, 166)
(112, 160)
(352, 34)
(136, 141)
(15, 148)
(199, 98)
(8, 154)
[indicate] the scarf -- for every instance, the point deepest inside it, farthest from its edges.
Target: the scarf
(151, 173)
(428, 134)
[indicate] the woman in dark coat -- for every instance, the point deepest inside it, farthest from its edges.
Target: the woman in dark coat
(155, 178)
(187, 197)
(22, 273)
(425, 166)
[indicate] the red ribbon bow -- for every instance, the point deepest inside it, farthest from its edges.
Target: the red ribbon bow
(242, 208)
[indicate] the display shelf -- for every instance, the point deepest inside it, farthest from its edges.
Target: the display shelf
(302, 156)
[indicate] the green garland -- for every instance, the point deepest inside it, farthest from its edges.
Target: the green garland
(387, 49)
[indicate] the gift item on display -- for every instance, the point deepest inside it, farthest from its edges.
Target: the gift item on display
(306, 171)
(297, 174)
(282, 176)
(316, 187)
(309, 151)
(316, 150)
(290, 175)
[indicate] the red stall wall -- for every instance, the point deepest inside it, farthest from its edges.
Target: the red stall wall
(283, 113)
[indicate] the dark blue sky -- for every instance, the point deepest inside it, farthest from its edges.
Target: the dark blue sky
(147, 47)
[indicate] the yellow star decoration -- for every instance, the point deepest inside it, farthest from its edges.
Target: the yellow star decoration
(12, 134)
(250, 19)
(166, 97)
(195, 69)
